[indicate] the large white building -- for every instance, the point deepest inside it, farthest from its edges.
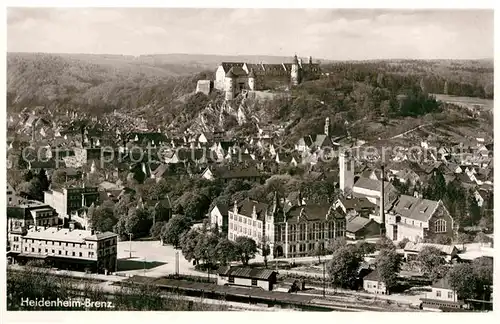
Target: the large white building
(65, 248)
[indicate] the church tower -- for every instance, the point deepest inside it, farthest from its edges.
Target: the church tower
(346, 174)
(295, 72)
(229, 80)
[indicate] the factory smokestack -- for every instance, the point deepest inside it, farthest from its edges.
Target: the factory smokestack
(382, 198)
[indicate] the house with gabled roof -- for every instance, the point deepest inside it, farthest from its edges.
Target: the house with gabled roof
(371, 190)
(246, 277)
(411, 250)
(359, 228)
(292, 159)
(218, 216)
(304, 143)
(418, 219)
(374, 284)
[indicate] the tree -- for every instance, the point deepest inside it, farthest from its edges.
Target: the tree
(137, 222)
(343, 268)
(266, 251)
(462, 238)
(463, 280)
(482, 238)
(26, 189)
(388, 264)
(336, 244)
(102, 217)
(365, 248)
(246, 248)
(483, 269)
(188, 242)
(437, 188)
(431, 262)
(193, 204)
(402, 187)
(123, 205)
(474, 210)
(44, 181)
(384, 243)
(156, 229)
(58, 176)
(206, 247)
(403, 243)
(319, 251)
(28, 176)
(175, 227)
(34, 282)
(226, 251)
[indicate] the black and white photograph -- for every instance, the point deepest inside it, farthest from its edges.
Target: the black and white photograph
(249, 159)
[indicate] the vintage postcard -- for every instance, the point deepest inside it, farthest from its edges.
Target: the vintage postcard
(203, 159)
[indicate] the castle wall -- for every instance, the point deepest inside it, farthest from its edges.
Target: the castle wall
(229, 89)
(262, 95)
(203, 86)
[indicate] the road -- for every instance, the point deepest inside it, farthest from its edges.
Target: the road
(411, 130)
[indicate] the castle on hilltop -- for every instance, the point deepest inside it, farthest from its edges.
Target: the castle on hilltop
(236, 77)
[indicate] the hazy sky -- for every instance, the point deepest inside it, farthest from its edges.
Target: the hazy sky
(322, 33)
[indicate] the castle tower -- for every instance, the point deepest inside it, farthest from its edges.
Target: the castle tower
(295, 72)
(327, 126)
(229, 84)
(346, 174)
(251, 80)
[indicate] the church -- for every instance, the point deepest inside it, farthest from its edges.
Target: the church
(235, 78)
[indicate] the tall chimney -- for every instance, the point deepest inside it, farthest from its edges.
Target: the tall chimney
(382, 211)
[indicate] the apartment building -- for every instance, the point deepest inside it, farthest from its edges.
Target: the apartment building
(70, 203)
(247, 219)
(29, 213)
(65, 248)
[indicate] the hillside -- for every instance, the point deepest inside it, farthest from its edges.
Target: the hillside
(94, 84)
(160, 88)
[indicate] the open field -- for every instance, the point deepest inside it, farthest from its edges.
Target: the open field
(152, 259)
(466, 101)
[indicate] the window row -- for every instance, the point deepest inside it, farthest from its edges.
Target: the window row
(450, 294)
(245, 220)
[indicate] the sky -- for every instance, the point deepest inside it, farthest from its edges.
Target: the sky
(338, 34)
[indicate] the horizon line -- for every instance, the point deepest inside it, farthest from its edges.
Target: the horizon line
(270, 55)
